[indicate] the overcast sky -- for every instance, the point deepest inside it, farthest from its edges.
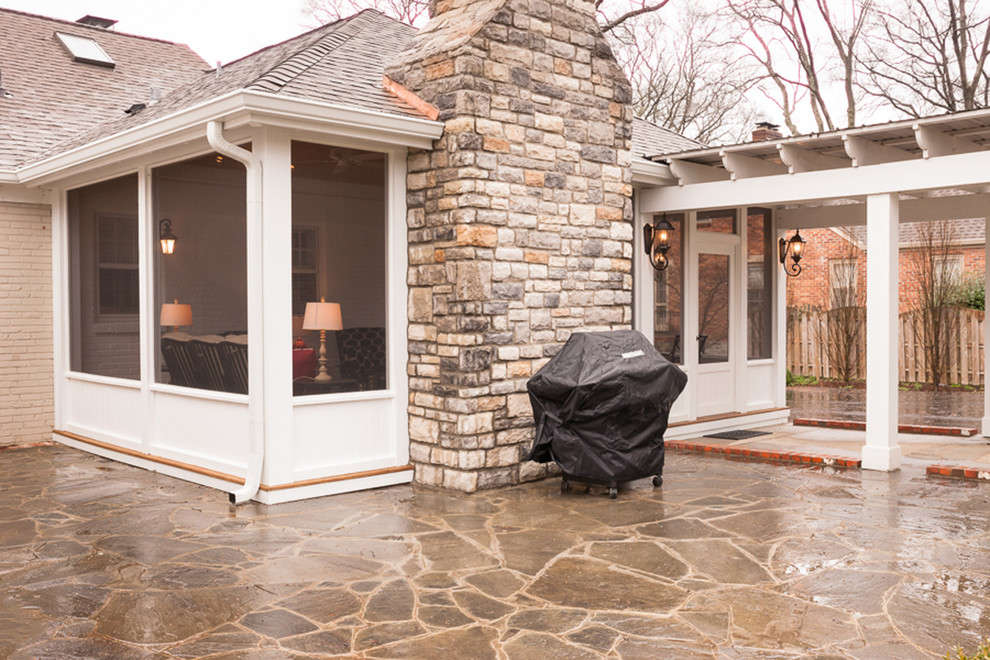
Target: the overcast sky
(216, 29)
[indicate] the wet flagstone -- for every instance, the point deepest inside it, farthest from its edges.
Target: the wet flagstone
(727, 560)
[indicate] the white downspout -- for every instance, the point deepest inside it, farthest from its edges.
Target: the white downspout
(256, 316)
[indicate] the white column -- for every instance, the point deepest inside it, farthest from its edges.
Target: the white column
(881, 451)
(986, 334)
(273, 147)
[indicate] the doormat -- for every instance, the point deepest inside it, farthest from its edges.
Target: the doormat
(736, 435)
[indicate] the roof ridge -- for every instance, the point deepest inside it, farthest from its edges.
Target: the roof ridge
(100, 30)
(305, 58)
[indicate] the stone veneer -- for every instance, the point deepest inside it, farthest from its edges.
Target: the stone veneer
(520, 223)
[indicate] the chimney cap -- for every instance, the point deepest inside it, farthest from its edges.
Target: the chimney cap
(770, 126)
(96, 21)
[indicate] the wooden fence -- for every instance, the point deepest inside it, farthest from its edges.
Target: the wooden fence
(807, 355)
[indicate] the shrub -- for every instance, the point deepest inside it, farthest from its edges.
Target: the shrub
(971, 292)
(982, 653)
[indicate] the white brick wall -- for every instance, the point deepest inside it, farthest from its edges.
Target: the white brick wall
(26, 388)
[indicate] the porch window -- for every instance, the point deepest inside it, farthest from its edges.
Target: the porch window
(201, 288)
(668, 303)
(103, 278)
(339, 251)
(759, 279)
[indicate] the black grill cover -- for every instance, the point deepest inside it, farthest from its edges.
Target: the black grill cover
(601, 406)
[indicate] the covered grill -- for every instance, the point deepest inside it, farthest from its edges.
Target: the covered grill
(601, 407)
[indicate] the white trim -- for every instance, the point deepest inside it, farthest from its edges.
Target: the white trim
(648, 173)
(104, 380)
(741, 421)
(957, 171)
(197, 393)
(236, 109)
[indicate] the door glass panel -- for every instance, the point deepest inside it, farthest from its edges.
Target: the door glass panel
(713, 308)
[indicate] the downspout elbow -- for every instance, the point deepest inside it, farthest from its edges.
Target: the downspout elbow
(256, 376)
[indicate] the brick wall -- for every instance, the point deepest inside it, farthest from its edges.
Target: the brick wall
(26, 400)
(812, 286)
(520, 227)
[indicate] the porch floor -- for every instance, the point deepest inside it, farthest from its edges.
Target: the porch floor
(726, 560)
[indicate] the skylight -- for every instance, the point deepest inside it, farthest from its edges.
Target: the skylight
(84, 49)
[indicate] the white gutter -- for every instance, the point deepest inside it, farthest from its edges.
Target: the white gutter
(647, 172)
(257, 107)
(256, 316)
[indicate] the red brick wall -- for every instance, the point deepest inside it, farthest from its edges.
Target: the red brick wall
(811, 287)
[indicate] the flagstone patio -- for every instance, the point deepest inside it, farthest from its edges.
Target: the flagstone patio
(727, 559)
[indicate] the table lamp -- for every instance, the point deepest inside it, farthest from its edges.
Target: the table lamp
(322, 316)
(176, 314)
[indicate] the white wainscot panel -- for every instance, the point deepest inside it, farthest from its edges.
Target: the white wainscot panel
(103, 411)
(759, 386)
(343, 437)
(210, 433)
(715, 390)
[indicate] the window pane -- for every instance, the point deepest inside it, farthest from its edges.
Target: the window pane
(713, 308)
(103, 279)
(667, 301)
(339, 249)
(759, 270)
(202, 286)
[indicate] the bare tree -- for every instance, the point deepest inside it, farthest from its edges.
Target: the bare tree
(782, 38)
(611, 13)
(684, 79)
(930, 56)
(937, 285)
(842, 335)
(413, 12)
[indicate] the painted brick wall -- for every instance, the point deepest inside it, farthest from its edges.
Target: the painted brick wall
(26, 400)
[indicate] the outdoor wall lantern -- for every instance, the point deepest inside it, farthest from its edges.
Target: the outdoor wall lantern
(794, 246)
(166, 236)
(656, 241)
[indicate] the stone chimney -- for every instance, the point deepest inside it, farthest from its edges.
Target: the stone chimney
(766, 131)
(520, 223)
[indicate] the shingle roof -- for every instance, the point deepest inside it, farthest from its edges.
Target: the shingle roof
(648, 139)
(970, 230)
(339, 63)
(55, 97)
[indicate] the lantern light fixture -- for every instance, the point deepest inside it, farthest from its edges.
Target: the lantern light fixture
(795, 248)
(166, 236)
(656, 242)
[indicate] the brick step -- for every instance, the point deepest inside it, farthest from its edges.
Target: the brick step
(901, 428)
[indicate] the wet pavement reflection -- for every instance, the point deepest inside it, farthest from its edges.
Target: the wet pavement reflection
(949, 407)
(726, 560)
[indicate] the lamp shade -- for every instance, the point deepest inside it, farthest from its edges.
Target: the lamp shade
(322, 316)
(176, 314)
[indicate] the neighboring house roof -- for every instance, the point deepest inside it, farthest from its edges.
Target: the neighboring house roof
(970, 230)
(340, 63)
(648, 139)
(53, 97)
